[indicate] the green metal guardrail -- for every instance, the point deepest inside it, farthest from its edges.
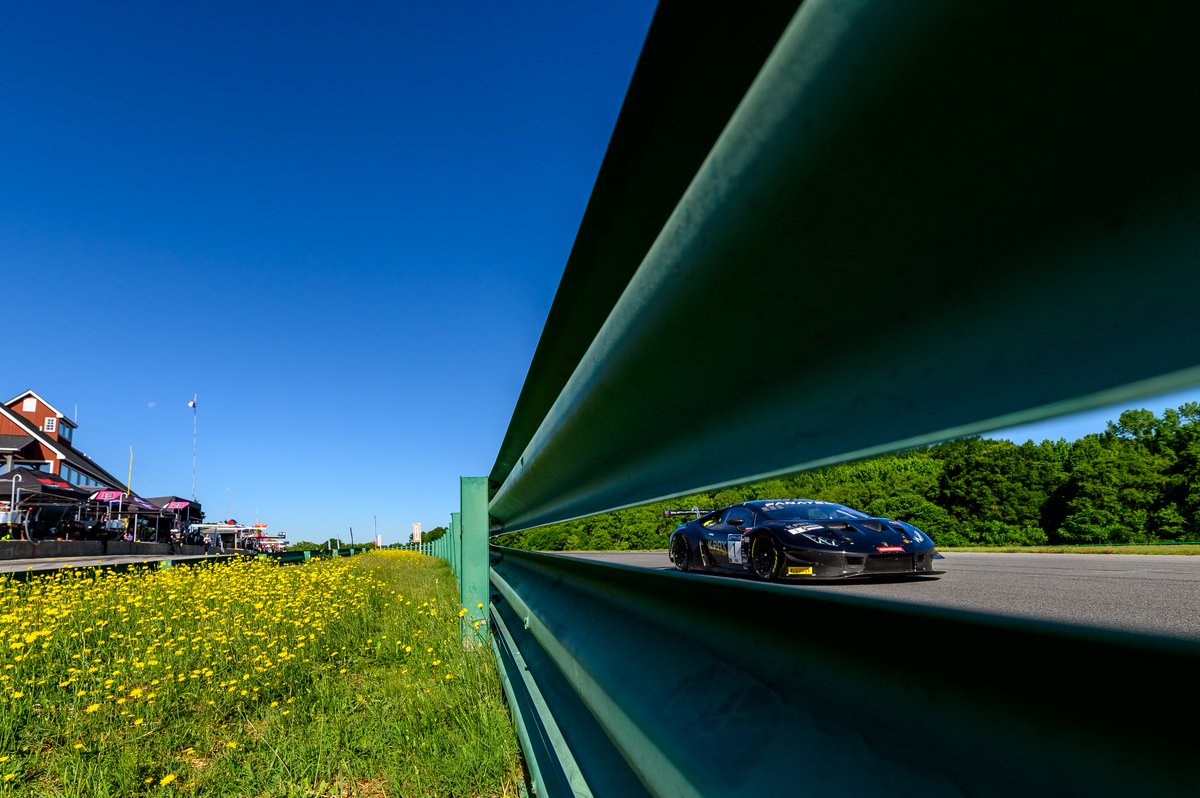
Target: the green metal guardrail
(689, 685)
(305, 556)
(905, 233)
(914, 220)
(443, 547)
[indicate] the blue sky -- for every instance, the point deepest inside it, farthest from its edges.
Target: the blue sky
(341, 226)
(1076, 425)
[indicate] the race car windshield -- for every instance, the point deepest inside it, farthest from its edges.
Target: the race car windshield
(810, 511)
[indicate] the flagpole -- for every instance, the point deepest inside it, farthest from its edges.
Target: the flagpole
(194, 398)
(129, 483)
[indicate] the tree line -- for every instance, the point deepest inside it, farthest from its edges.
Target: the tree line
(336, 543)
(1138, 481)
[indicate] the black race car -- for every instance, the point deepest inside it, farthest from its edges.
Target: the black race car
(800, 540)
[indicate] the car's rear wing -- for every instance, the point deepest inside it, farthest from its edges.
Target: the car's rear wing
(696, 511)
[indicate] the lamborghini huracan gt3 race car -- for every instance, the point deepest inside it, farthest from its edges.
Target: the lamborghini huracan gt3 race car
(800, 540)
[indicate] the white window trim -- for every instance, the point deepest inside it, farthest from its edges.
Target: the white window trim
(51, 424)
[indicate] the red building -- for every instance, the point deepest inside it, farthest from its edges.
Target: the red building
(68, 493)
(36, 434)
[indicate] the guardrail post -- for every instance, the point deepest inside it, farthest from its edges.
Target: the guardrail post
(473, 576)
(455, 542)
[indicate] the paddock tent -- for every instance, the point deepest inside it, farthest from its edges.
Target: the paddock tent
(39, 487)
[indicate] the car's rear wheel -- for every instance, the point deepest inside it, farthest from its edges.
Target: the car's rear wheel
(681, 553)
(765, 557)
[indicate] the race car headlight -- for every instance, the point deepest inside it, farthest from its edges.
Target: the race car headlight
(909, 531)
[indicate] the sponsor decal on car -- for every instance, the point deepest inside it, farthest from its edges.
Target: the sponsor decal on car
(796, 529)
(793, 503)
(890, 549)
(799, 570)
(734, 542)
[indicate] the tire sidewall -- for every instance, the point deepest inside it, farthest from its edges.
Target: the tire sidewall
(681, 541)
(755, 543)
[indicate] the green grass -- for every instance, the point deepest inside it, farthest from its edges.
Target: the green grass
(336, 678)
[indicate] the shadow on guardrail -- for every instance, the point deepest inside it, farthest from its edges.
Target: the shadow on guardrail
(631, 682)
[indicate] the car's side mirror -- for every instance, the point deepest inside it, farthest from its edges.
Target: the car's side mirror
(736, 521)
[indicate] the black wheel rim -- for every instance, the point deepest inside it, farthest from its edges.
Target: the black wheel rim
(762, 556)
(679, 553)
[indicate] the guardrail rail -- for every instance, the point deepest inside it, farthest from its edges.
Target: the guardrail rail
(822, 231)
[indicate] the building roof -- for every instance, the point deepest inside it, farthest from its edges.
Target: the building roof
(35, 395)
(60, 447)
(14, 443)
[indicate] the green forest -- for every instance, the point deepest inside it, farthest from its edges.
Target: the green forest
(1136, 482)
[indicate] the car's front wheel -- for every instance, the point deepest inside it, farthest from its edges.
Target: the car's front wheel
(681, 553)
(765, 557)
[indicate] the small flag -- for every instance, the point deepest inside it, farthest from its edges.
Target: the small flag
(192, 403)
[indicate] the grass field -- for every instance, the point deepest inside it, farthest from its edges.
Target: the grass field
(343, 677)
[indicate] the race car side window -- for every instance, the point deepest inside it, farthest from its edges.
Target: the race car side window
(737, 516)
